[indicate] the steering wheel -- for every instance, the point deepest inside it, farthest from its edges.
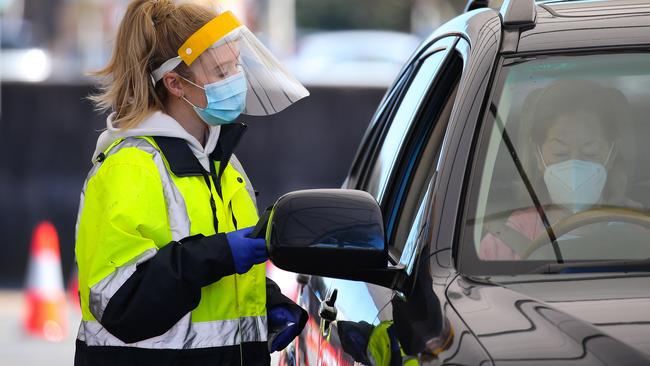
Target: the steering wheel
(588, 217)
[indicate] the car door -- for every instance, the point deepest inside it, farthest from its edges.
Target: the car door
(313, 291)
(415, 185)
(398, 176)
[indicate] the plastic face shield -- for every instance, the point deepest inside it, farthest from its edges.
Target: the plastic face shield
(222, 49)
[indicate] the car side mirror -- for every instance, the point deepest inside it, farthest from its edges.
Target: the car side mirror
(329, 232)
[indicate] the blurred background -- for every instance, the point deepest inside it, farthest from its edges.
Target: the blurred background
(347, 52)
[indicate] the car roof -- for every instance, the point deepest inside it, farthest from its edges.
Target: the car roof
(583, 24)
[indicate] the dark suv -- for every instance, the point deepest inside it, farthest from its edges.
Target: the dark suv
(497, 209)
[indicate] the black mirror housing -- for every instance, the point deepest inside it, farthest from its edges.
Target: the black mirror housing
(327, 232)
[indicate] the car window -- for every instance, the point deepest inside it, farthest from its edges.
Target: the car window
(562, 171)
(408, 202)
(388, 154)
(390, 99)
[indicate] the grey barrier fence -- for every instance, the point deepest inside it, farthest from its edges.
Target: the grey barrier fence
(48, 133)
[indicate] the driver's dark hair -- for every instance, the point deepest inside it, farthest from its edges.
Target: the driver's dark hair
(566, 97)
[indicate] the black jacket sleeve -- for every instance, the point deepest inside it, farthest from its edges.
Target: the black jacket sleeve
(166, 287)
(275, 297)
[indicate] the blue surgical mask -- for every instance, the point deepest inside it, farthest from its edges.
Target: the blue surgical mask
(226, 100)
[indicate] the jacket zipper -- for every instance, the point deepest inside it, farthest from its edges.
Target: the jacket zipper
(213, 206)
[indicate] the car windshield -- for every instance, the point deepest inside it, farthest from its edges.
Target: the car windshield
(563, 166)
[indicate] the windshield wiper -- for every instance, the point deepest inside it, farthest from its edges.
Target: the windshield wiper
(638, 265)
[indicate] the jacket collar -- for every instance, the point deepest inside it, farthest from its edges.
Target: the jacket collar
(183, 163)
(159, 124)
(228, 141)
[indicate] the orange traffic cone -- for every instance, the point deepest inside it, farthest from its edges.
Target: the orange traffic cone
(46, 312)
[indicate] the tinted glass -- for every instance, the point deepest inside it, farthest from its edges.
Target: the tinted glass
(420, 165)
(398, 131)
(563, 169)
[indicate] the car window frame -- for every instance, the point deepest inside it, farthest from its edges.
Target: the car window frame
(424, 126)
(358, 170)
(408, 255)
(359, 175)
(440, 48)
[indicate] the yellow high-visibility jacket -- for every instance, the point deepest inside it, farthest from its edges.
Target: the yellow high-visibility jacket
(157, 286)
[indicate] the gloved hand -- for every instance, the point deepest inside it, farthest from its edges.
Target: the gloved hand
(246, 251)
(354, 339)
(284, 326)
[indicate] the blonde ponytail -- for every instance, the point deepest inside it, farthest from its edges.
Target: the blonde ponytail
(149, 34)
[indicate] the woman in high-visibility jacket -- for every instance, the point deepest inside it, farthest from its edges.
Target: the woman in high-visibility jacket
(168, 274)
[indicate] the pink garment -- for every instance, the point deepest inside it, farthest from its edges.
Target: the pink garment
(526, 222)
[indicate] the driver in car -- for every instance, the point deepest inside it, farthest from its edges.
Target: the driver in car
(572, 162)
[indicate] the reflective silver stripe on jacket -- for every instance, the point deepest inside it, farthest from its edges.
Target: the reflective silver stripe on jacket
(185, 334)
(104, 290)
(179, 223)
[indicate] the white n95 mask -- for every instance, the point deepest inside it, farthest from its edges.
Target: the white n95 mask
(575, 184)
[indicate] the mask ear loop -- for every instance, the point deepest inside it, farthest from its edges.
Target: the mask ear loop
(541, 157)
(609, 154)
(191, 82)
(190, 103)
(187, 100)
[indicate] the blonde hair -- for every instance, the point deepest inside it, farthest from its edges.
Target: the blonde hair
(149, 34)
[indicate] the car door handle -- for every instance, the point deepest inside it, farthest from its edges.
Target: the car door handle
(327, 313)
(327, 309)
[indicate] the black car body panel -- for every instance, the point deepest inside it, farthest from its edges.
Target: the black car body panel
(593, 320)
(575, 25)
(616, 305)
(459, 319)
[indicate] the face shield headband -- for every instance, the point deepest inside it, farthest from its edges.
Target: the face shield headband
(198, 43)
(224, 47)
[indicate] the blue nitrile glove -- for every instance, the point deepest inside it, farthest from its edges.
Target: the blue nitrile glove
(283, 327)
(246, 251)
(354, 338)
